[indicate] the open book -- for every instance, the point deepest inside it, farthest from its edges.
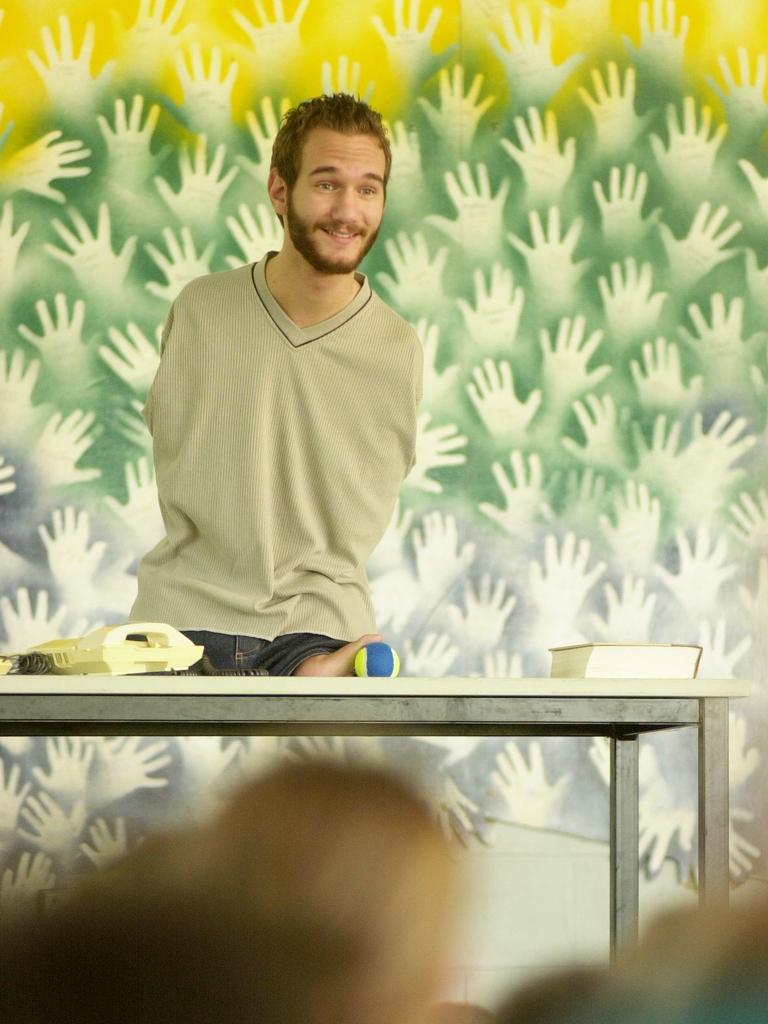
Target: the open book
(625, 661)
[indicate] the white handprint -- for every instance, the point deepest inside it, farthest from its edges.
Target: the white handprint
(105, 847)
(440, 562)
(263, 134)
(417, 282)
(725, 354)
(478, 229)
(69, 760)
(659, 381)
(716, 662)
(758, 182)
(181, 265)
(689, 158)
(564, 370)
(67, 77)
(756, 602)
(662, 41)
(437, 384)
(599, 423)
(207, 105)
(549, 258)
(660, 463)
(529, 797)
(435, 448)
(545, 169)
(346, 79)
(100, 271)
(455, 121)
(584, 498)
(485, 615)
(660, 818)
(405, 188)
(130, 425)
(751, 527)
(432, 658)
(494, 320)
(396, 596)
(757, 283)
(19, 889)
(13, 793)
(255, 239)
(632, 308)
(709, 464)
(622, 209)
(505, 416)
(129, 142)
(133, 357)
(742, 762)
(558, 587)
(61, 343)
(532, 75)
(702, 571)
(455, 812)
(692, 257)
(123, 766)
(35, 167)
(628, 618)
(634, 538)
(277, 42)
(409, 47)
(140, 515)
(613, 110)
(10, 243)
(525, 501)
(153, 35)
(25, 628)
(500, 664)
(69, 545)
(18, 414)
(200, 192)
(744, 102)
(741, 853)
(61, 445)
(7, 484)
(51, 828)
(389, 552)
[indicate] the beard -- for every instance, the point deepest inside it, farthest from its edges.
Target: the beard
(301, 231)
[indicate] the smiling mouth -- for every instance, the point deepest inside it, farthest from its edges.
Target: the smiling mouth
(340, 235)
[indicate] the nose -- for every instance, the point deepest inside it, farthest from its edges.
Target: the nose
(347, 205)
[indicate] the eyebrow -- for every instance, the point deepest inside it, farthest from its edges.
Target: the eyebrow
(330, 169)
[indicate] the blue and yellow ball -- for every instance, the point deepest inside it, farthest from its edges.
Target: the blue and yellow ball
(377, 659)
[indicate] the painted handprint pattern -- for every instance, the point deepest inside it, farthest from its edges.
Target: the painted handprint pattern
(576, 227)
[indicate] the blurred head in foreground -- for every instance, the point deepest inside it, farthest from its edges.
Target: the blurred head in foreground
(692, 967)
(322, 894)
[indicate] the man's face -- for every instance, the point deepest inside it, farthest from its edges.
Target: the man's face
(333, 212)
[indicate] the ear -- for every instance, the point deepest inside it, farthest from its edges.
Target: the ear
(278, 192)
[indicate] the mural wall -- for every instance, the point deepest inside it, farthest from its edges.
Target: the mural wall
(576, 226)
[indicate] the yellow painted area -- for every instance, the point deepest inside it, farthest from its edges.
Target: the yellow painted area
(334, 28)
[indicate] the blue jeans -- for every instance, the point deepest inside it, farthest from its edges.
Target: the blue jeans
(278, 657)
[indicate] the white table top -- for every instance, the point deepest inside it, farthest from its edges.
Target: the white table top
(448, 686)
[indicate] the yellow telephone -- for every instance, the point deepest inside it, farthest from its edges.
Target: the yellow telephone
(121, 650)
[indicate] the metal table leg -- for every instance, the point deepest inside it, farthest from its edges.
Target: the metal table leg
(624, 837)
(714, 824)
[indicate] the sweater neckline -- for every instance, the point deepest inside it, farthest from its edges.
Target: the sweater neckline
(298, 336)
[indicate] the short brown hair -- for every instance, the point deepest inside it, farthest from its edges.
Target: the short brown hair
(341, 113)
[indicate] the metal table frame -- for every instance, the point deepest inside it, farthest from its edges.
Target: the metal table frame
(619, 709)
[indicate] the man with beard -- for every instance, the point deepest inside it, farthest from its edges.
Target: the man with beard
(283, 417)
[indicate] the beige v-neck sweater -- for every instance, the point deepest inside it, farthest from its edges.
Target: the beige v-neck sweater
(279, 453)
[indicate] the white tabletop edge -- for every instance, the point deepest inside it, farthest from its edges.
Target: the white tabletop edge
(446, 686)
